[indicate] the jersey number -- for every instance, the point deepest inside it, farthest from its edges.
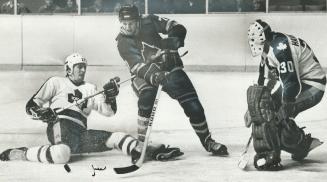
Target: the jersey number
(286, 67)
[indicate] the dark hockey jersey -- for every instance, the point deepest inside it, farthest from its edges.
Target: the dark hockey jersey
(138, 49)
(295, 63)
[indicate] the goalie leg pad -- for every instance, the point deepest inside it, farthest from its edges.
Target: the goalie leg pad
(265, 138)
(260, 104)
(266, 141)
(267, 146)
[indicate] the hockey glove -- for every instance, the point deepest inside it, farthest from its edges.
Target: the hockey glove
(170, 60)
(46, 114)
(111, 89)
(160, 78)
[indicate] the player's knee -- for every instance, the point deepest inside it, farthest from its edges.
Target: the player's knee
(60, 153)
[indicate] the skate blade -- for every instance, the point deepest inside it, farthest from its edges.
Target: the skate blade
(315, 143)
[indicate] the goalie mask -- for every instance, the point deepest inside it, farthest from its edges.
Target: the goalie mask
(129, 18)
(72, 60)
(258, 33)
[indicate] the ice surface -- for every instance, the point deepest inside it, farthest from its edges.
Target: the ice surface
(223, 96)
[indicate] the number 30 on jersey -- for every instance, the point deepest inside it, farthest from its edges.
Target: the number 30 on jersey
(286, 67)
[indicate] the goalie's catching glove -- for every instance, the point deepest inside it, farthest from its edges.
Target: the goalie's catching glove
(46, 114)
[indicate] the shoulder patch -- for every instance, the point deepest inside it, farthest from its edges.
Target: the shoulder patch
(281, 46)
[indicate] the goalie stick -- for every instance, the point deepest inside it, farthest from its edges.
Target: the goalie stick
(244, 159)
(139, 163)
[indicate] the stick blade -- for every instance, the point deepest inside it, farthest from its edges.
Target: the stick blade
(243, 161)
(128, 169)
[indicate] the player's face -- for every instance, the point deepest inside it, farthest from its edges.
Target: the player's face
(78, 73)
(129, 27)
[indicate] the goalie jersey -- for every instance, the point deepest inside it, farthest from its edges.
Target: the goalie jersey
(60, 92)
(295, 63)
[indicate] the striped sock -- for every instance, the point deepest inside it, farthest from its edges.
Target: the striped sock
(201, 129)
(122, 141)
(39, 154)
(142, 126)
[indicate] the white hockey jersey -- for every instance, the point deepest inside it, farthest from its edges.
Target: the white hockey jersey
(296, 64)
(60, 92)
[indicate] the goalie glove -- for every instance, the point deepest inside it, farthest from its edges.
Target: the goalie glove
(111, 89)
(46, 114)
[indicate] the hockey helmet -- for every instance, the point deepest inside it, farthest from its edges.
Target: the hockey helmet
(73, 59)
(129, 12)
(258, 33)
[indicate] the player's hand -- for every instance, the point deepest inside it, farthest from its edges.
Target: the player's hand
(169, 59)
(46, 114)
(111, 89)
(160, 78)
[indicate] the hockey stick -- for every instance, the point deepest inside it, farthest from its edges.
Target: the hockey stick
(35, 117)
(139, 163)
(93, 95)
(244, 159)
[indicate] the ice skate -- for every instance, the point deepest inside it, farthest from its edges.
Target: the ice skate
(215, 148)
(13, 154)
(309, 144)
(136, 152)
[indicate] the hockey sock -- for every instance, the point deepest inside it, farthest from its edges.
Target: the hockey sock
(38, 154)
(202, 130)
(122, 141)
(142, 126)
(59, 153)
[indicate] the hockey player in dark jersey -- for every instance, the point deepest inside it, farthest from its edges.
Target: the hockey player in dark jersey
(154, 59)
(67, 129)
(290, 61)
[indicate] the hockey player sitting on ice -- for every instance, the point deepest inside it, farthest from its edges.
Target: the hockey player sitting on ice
(155, 60)
(67, 130)
(302, 86)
